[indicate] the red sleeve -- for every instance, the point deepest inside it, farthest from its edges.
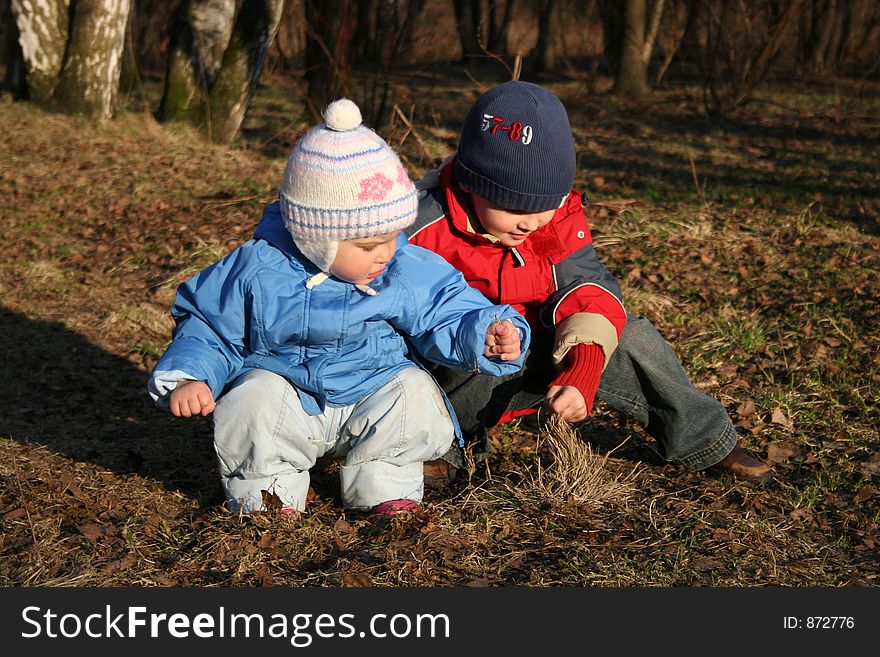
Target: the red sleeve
(583, 371)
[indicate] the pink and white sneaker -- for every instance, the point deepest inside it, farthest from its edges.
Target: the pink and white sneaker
(393, 507)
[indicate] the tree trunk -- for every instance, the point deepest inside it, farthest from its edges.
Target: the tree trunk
(10, 50)
(632, 75)
(231, 94)
(330, 26)
(611, 15)
(727, 89)
(498, 28)
(466, 23)
(758, 69)
(821, 36)
(548, 37)
(43, 32)
(202, 33)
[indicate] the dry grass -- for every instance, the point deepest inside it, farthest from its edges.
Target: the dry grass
(574, 474)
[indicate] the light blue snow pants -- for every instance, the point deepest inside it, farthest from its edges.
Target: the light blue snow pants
(265, 441)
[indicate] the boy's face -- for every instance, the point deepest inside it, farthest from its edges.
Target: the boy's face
(511, 227)
(361, 260)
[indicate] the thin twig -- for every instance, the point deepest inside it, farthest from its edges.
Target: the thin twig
(414, 132)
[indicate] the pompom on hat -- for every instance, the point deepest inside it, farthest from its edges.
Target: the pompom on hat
(342, 181)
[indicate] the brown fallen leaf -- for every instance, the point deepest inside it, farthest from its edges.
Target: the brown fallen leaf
(343, 527)
(778, 417)
(91, 530)
(267, 541)
(864, 493)
(803, 513)
(15, 514)
(264, 577)
(779, 453)
(355, 579)
(747, 409)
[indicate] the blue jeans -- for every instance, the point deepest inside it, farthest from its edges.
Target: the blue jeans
(644, 379)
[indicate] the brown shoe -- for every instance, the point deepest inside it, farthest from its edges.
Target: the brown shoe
(439, 473)
(743, 466)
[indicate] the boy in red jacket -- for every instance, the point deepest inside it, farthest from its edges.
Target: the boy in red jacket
(503, 212)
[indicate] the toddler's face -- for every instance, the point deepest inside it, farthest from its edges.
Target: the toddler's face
(361, 260)
(511, 227)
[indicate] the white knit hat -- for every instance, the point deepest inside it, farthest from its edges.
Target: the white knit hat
(343, 181)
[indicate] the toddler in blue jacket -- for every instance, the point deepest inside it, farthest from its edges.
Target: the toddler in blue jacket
(307, 340)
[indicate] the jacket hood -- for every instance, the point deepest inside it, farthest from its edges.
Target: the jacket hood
(271, 228)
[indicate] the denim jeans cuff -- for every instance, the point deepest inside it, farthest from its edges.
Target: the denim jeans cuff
(712, 453)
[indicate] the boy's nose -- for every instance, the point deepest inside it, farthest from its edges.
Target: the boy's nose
(528, 225)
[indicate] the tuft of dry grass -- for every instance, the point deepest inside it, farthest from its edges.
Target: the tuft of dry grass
(575, 474)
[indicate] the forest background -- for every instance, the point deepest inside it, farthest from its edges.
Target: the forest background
(730, 152)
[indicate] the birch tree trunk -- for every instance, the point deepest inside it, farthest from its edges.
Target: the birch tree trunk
(73, 66)
(201, 35)
(89, 79)
(42, 27)
(254, 30)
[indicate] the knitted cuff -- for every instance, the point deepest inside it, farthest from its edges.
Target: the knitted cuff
(583, 371)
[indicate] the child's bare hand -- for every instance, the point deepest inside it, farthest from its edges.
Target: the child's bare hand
(567, 402)
(502, 340)
(191, 398)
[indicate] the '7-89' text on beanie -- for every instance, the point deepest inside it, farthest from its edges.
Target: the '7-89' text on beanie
(516, 148)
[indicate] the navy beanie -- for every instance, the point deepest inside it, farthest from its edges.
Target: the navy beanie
(516, 148)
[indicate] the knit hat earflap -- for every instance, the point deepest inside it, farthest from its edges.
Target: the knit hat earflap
(342, 182)
(516, 149)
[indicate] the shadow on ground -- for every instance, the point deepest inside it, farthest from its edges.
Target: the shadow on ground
(59, 390)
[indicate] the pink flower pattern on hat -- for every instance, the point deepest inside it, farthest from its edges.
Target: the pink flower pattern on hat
(402, 176)
(375, 188)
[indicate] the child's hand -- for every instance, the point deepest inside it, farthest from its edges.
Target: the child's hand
(502, 340)
(191, 398)
(567, 402)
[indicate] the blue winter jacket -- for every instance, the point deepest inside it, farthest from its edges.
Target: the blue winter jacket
(333, 342)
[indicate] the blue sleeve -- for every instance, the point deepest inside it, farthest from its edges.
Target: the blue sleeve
(446, 320)
(211, 313)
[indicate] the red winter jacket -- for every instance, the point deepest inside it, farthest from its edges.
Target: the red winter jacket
(554, 278)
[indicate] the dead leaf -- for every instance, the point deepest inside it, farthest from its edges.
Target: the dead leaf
(779, 453)
(264, 577)
(271, 500)
(267, 541)
(71, 487)
(704, 564)
(803, 513)
(15, 514)
(91, 530)
(480, 582)
(343, 527)
(778, 417)
(747, 409)
(355, 579)
(865, 493)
